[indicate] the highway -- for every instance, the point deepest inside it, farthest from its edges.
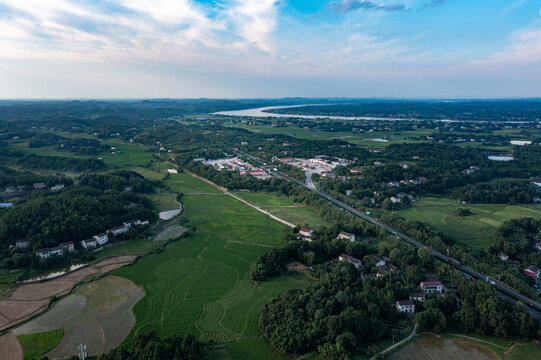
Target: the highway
(532, 305)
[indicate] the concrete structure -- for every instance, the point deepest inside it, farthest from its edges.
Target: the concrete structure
(39, 185)
(503, 256)
(430, 287)
(56, 251)
(417, 296)
(131, 223)
(102, 238)
(405, 306)
(43, 253)
(306, 233)
(350, 259)
(346, 236)
(118, 230)
(89, 243)
(22, 243)
(57, 187)
(377, 261)
(68, 246)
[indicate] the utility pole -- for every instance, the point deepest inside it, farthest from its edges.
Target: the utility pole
(82, 351)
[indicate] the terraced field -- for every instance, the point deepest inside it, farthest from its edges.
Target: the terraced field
(199, 284)
(474, 231)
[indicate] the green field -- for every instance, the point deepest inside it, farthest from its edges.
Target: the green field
(199, 284)
(524, 352)
(35, 345)
(474, 231)
(284, 208)
(126, 154)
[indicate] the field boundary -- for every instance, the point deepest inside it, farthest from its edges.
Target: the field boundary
(225, 191)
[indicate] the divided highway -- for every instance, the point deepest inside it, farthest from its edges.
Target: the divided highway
(510, 293)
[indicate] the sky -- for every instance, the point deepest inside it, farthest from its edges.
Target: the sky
(270, 48)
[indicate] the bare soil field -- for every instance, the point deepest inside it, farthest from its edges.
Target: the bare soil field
(432, 347)
(297, 266)
(98, 314)
(10, 348)
(30, 299)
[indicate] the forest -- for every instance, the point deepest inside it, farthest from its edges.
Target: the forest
(74, 214)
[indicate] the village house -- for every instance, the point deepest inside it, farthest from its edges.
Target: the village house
(378, 261)
(22, 243)
(382, 271)
(350, 259)
(89, 243)
(39, 185)
(538, 246)
(118, 230)
(503, 256)
(346, 236)
(430, 287)
(57, 187)
(532, 271)
(56, 250)
(417, 296)
(102, 238)
(134, 222)
(369, 276)
(405, 306)
(305, 233)
(43, 253)
(68, 245)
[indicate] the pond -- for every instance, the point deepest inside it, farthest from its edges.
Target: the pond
(169, 214)
(500, 158)
(55, 274)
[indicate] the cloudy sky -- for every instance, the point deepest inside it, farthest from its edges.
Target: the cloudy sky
(270, 48)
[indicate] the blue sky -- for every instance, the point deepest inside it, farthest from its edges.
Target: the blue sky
(270, 48)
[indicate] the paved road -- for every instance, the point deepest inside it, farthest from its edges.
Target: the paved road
(511, 293)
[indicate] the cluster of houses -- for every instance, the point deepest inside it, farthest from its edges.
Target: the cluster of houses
(472, 169)
(14, 190)
(93, 242)
(417, 181)
(407, 306)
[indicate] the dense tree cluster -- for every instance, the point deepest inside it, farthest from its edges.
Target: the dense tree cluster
(152, 347)
(58, 163)
(503, 192)
(48, 219)
(80, 146)
(119, 181)
(516, 238)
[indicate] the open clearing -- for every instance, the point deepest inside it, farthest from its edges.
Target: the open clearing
(474, 231)
(200, 284)
(30, 299)
(97, 314)
(432, 347)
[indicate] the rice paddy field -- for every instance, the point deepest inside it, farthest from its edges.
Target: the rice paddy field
(200, 285)
(97, 314)
(474, 231)
(35, 345)
(432, 347)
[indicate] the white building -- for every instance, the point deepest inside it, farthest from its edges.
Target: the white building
(346, 236)
(89, 243)
(350, 259)
(43, 253)
(405, 306)
(102, 238)
(430, 287)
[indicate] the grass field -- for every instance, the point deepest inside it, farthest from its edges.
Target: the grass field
(524, 352)
(284, 208)
(126, 155)
(474, 231)
(199, 284)
(432, 347)
(35, 345)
